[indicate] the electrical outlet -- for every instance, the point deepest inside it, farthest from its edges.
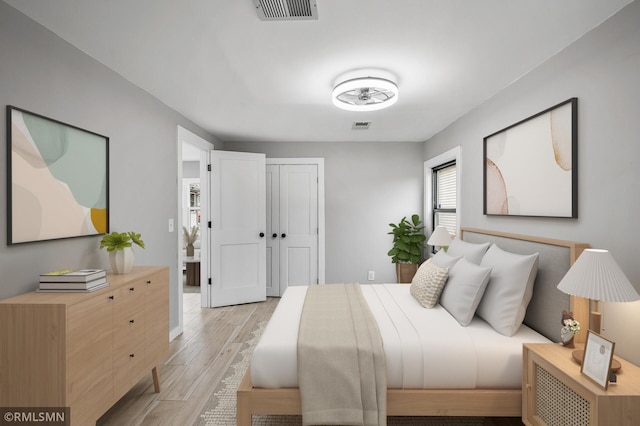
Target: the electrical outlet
(171, 225)
(372, 275)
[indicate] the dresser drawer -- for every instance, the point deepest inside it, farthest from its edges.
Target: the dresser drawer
(129, 367)
(157, 319)
(130, 298)
(129, 331)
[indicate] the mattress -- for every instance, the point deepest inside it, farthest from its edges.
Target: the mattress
(424, 348)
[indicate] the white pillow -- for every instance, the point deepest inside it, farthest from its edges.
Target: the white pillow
(464, 289)
(443, 260)
(473, 252)
(510, 288)
(428, 282)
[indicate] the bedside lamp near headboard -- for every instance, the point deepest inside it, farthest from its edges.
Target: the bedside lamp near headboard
(440, 237)
(595, 275)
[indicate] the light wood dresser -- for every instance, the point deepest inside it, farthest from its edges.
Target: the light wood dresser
(84, 350)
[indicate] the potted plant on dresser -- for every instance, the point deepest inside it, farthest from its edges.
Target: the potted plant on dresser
(408, 242)
(118, 245)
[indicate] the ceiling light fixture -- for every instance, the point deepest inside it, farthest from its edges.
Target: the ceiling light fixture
(365, 94)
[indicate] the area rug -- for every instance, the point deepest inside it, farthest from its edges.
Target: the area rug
(220, 409)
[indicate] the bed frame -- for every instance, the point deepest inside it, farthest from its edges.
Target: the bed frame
(543, 315)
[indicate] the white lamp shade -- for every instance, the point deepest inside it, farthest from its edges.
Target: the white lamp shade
(597, 276)
(440, 237)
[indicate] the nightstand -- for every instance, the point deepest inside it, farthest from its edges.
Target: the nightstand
(555, 393)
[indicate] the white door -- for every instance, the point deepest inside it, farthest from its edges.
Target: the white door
(292, 226)
(238, 228)
(273, 229)
(298, 225)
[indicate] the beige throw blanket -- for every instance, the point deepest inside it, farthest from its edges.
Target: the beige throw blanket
(341, 363)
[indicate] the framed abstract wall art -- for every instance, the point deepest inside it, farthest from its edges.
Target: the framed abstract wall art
(57, 179)
(530, 168)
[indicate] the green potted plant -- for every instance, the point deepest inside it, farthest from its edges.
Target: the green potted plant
(408, 242)
(118, 245)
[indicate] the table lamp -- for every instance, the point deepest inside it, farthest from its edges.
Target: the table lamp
(595, 275)
(440, 237)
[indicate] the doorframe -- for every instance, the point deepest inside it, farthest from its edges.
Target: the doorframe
(319, 162)
(186, 136)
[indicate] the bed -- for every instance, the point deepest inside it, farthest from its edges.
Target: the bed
(441, 395)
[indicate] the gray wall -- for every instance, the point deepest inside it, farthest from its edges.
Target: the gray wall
(42, 73)
(602, 70)
(367, 186)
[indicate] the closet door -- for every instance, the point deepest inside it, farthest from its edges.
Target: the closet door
(292, 226)
(298, 234)
(273, 230)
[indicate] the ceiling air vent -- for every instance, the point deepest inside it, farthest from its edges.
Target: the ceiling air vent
(361, 125)
(286, 10)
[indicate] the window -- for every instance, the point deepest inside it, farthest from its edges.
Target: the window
(442, 202)
(445, 197)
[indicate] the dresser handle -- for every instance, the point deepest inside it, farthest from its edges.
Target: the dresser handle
(112, 297)
(132, 355)
(132, 289)
(132, 321)
(148, 282)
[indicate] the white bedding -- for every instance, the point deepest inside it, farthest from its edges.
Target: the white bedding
(424, 348)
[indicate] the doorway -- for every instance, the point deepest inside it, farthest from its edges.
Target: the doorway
(193, 152)
(191, 225)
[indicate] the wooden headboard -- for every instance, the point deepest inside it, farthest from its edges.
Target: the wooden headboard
(555, 258)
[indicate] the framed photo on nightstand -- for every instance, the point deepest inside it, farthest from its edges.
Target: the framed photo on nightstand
(598, 354)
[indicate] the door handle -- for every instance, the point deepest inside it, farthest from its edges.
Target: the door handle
(261, 234)
(275, 235)
(284, 235)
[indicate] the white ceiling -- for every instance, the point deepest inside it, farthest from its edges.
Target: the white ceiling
(241, 78)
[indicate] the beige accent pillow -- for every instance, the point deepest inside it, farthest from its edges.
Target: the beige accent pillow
(427, 284)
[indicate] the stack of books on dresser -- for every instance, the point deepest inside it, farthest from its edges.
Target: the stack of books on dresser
(74, 280)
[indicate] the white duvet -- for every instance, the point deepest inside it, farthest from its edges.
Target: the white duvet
(424, 348)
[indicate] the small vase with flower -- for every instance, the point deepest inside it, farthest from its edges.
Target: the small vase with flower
(570, 327)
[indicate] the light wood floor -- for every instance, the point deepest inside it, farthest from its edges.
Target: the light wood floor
(197, 360)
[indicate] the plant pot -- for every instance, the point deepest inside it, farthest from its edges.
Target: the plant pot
(406, 271)
(121, 260)
(190, 250)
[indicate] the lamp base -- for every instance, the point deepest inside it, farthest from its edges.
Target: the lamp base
(595, 322)
(578, 356)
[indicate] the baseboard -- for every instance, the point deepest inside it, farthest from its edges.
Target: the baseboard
(175, 332)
